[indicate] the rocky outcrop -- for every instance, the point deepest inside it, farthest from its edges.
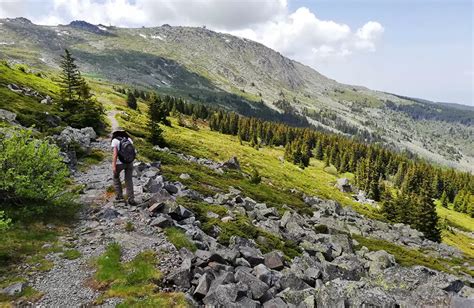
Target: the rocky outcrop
(71, 140)
(328, 272)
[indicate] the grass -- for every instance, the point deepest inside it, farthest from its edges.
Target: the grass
(129, 227)
(134, 281)
(71, 254)
(28, 109)
(462, 223)
(26, 244)
(179, 239)
(88, 160)
(411, 257)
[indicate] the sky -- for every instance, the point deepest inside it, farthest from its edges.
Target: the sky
(418, 48)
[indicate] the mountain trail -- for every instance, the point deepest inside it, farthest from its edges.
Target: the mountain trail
(101, 222)
(113, 121)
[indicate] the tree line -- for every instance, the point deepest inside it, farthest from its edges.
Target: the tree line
(405, 186)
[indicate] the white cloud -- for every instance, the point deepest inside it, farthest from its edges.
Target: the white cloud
(299, 34)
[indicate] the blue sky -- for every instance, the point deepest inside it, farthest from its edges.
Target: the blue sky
(419, 48)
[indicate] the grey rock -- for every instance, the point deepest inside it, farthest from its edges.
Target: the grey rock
(109, 214)
(274, 260)
(8, 116)
(276, 302)
(203, 285)
(379, 260)
(256, 286)
(222, 295)
(292, 281)
(162, 221)
(232, 163)
(152, 186)
(343, 185)
(252, 255)
(14, 289)
(295, 297)
(171, 188)
(184, 176)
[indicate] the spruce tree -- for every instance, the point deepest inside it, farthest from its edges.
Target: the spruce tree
(79, 107)
(131, 101)
(426, 219)
(154, 116)
(70, 78)
(444, 199)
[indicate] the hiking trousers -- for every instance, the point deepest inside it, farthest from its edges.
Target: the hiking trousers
(128, 181)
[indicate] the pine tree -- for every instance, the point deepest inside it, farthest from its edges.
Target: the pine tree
(444, 199)
(70, 78)
(154, 116)
(79, 106)
(458, 201)
(426, 219)
(131, 101)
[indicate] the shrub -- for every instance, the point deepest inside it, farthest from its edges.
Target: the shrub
(255, 177)
(4, 222)
(31, 170)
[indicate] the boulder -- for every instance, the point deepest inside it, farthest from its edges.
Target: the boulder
(347, 267)
(47, 100)
(276, 302)
(295, 297)
(232, 163)
(221, 295)
(252, 255)
(379, 260)
(152, 186)
(8, 116)
(184, 176)
(73, 137)
(292, 281)
(274, 260)
(343, 185)
(256, 286)
(203, 286)
(171, 188)
(162, 221)
(14, 289)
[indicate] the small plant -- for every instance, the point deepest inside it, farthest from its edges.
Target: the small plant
(179, 239)
(71, 254)
(255, 177)
(129, 227)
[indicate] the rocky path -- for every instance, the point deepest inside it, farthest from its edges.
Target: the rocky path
(113, 121)
(101, 222)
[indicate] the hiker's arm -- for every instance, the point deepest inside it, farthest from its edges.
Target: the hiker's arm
(114, 160)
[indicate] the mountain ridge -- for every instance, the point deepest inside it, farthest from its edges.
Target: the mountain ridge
(203, 65)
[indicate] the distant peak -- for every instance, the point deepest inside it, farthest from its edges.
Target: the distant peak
(21, 20)
(84, 25)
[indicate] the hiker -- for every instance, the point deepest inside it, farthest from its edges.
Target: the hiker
(122, 159)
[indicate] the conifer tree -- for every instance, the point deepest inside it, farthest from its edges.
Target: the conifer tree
(155, 116)
(131, 101)
(444, 199)
(70, 78)
(426, 219)
(79, 107)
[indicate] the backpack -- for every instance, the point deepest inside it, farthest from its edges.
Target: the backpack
(126, 152)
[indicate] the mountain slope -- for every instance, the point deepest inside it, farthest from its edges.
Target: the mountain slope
(240, 74)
